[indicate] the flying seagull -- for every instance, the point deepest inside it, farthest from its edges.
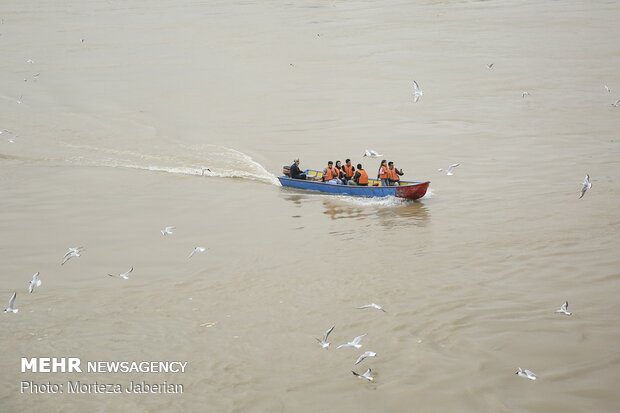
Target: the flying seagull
(365, 355)
(35, 282)
(324, 344)
(205, 169)
(72, 252)
(10, 136)
(607, 88)
(124, 275)
(356, 342)
(11, 308)
(616, 104)
(365, 376)
(490, 66)
(450, 170)
(564, 309)
(524, 94)
(30, 61)
(526, 373)
(586, 185)
(372, 305)
(167, 231)
(371, 154)
(417, 92)
(196, 250)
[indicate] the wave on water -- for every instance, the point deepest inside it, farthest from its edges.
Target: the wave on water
(379, 202)
(210, 161)
(387, 201)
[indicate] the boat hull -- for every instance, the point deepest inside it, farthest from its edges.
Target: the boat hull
(406, 190)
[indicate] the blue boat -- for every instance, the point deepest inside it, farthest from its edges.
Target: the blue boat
(405, 189)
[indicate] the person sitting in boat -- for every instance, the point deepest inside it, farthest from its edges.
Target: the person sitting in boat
(330, 174)
(295, 171)
(360, 178)
(382, 174)
(340, 170)
(349, 170)
(394, 174)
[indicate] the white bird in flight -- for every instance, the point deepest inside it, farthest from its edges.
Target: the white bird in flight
(30, 61)
(364, 356)
(417, 92)
(356, 342)
(323, 342)
(490, 66)
(616, 103)
(585, 186)
(35, 282)
(167, 231)
(196, 250)
(371, 154)
(19, 101)
(72, 252)
(524, 94)
(10, 135)
(564, 309)
(607, 88)
(372, 305)
(124, 275)
(11, 308)
(526, 373)
(450, 170)
(205, 169)
(365, 376)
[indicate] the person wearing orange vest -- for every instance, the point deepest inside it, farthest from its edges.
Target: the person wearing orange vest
(330, 173)
(394, 174)
(361, 177)
(382, 174)
(349, 170)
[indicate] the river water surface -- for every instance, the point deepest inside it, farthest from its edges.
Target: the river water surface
(107, 147)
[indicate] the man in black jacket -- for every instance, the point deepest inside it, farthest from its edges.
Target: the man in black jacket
(296, 172)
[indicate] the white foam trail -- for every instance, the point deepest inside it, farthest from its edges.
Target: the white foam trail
(223, 162)
(387, 201)
(261, 172)
(213, 173)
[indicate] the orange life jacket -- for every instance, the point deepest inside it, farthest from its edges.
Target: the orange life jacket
(329, 173)
(392, 175)
(383, 172)
(363, 177)
(348, 171)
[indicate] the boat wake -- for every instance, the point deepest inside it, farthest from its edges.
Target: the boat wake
(207, 160)
(386, 202)
(376, 202)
